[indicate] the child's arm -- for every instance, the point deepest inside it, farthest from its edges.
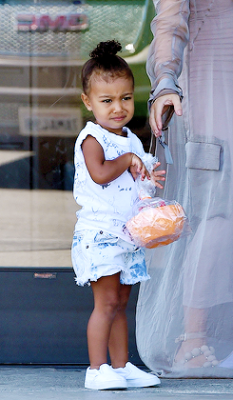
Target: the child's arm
(104, 171)
(157, 175)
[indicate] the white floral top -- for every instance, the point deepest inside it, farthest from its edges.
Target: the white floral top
(106, 207)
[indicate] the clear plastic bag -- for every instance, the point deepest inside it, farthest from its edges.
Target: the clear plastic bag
(157, 222)
(146, 188)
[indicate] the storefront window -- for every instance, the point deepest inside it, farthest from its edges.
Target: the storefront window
(43, 45)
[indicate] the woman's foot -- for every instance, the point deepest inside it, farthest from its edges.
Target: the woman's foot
(194, 353)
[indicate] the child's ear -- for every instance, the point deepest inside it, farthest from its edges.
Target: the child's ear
(86, 101)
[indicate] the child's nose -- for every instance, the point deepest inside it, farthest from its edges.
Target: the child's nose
(118, 106)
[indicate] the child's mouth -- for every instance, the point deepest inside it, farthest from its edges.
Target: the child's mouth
(119, 118)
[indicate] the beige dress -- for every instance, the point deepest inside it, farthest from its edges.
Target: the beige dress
(193, 50)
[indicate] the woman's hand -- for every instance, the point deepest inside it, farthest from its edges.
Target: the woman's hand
(157, 175)
(159, 107)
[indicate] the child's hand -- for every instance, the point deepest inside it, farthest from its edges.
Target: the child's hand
(157, 175)
(137, 167)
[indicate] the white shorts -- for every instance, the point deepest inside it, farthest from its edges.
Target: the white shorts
(97, 253)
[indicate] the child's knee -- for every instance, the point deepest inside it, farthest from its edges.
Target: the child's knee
(114, 302)
(111, 304)
(124, 297)
(122, 304)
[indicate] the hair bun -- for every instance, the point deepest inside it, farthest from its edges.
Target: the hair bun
(106, 49)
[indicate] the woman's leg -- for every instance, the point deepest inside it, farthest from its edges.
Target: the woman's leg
(106, 301)
(118, 341)
(195, 326)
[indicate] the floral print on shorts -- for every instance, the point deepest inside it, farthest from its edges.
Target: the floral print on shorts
(98, 253)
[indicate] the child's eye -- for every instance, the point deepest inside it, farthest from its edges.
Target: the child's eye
(107, 101)
(127, 98)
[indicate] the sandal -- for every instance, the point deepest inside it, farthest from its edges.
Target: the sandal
(207, 351)
(210, 368)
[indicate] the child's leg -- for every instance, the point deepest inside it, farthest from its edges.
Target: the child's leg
(106, 301)
(118, 348)
(118, 341)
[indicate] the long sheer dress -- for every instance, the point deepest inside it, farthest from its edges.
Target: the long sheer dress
(193, 50)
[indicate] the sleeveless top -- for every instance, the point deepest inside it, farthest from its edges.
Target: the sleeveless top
(108, 206)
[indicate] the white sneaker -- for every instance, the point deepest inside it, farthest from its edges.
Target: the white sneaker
(135, 377)
(104, 378)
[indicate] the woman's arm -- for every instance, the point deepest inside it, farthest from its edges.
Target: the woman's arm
(171, 34)
(104, 171)
(165, 59)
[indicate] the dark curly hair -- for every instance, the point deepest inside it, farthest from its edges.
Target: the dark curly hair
(105, 61)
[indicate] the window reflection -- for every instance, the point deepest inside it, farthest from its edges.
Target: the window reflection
(43, 45)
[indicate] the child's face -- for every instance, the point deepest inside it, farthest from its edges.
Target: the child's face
(111, 102)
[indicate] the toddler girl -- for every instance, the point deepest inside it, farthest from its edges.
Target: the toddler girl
(107, 162)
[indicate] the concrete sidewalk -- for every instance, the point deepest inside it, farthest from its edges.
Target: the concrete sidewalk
(60, 383)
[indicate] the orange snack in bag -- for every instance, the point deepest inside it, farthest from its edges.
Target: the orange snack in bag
(157, 226)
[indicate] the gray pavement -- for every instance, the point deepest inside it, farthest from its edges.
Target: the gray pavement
(61, 383)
